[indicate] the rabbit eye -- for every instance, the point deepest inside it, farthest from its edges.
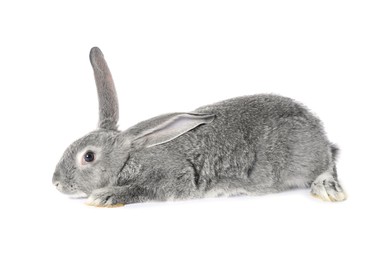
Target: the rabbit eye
(89, 156)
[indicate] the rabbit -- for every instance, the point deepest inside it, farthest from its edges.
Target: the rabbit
(250, 145)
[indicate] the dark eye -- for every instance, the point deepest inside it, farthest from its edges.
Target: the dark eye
(89, 156)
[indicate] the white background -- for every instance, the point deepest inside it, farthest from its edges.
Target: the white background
(166, 56)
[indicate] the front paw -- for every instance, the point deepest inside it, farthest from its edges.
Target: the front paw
(105, 197)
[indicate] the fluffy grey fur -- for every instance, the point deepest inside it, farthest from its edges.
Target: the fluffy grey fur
(248, 145)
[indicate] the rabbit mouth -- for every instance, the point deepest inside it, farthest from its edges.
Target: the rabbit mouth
(72, 192)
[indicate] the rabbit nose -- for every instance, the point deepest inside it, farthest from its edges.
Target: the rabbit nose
(58, 185)
(56, 177)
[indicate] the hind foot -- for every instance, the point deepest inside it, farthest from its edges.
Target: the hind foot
(327, 188)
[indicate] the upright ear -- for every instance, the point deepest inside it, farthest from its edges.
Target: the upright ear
(108, 101)
(170, 127)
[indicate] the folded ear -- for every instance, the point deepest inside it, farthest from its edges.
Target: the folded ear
(170, 127)
(108, 101)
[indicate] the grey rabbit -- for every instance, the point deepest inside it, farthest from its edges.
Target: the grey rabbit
(249, 145)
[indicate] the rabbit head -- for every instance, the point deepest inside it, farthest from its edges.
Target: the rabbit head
(94, 161)
(85, 163)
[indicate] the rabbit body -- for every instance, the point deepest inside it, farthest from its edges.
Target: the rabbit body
(255, 145)
(249, 145)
